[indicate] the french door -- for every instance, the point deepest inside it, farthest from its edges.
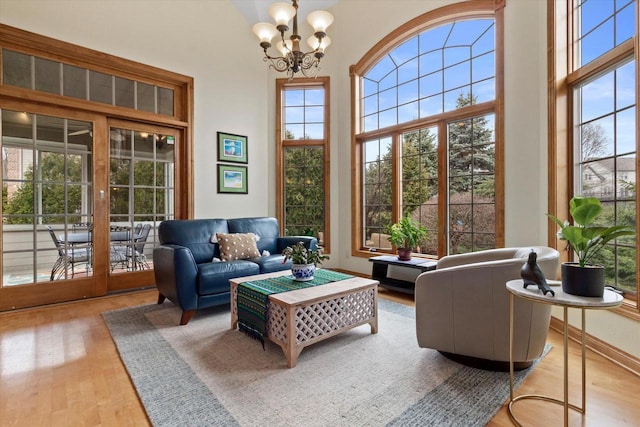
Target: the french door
(82, 197)
(96, 151)
(141, 192)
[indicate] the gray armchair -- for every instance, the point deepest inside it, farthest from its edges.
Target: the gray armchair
(462, 308)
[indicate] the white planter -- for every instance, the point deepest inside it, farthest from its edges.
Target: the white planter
(303, 272)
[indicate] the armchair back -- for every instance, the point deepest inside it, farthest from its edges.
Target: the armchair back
(462, 307)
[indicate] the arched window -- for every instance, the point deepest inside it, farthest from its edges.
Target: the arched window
(428, 132)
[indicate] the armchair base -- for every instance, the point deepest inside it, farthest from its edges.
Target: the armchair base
(485, 364)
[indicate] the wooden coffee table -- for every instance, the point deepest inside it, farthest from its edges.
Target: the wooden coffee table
(313, 314)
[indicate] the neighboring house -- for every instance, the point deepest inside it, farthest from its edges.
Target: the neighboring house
(601, 179)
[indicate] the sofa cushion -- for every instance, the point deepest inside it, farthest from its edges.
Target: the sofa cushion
(213, 277)
(237, 246)
(265, 227)
(271, 263)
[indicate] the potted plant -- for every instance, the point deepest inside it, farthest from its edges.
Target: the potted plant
(405, 236)
(304, 261)
(586, 240)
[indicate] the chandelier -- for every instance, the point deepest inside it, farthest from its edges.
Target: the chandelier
(292, 58)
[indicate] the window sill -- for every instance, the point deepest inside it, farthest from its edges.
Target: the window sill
(364, 253)
(629, 308)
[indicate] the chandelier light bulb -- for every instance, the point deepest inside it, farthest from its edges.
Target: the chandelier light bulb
(319, 44)
(265, 32)
(320, 20)
(283, 48)
(282, 13)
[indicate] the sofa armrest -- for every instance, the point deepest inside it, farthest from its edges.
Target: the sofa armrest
(176, 275)
(309, 242)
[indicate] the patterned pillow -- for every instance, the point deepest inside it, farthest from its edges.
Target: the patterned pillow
(237, 246)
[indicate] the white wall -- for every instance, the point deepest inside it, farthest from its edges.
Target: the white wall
(204, 39)
(234, 92)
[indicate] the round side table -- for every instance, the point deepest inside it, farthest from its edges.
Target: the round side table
(515, 288)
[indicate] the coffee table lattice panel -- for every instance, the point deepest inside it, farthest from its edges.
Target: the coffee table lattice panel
(323, 317)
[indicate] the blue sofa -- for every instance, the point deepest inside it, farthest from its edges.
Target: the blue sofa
(188, 267)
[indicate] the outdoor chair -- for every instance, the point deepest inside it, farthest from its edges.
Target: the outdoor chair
(132, 256)
(137, 229)
(67, 256)
(118, 258)
(139, 259)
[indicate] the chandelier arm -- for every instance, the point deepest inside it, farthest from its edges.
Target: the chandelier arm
(279, 63)
(308, 60)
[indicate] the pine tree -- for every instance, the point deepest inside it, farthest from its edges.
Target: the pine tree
(471, 153)
(304, 190)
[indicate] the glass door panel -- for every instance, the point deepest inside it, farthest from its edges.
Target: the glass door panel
(141, 194)
(47, 206)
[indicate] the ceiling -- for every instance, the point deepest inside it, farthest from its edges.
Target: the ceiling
(255, 11)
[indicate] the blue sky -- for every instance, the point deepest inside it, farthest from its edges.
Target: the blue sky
(609, 100)
(426, 74)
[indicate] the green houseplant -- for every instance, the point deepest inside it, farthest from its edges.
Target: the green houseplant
(586, 239)
(304, 261)
(405, 235)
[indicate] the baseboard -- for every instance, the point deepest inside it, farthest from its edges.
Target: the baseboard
(606, 350)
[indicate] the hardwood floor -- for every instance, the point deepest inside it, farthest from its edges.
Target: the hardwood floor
(59, 366)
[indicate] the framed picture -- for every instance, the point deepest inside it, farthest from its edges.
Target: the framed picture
(232, 179)
(232, 148)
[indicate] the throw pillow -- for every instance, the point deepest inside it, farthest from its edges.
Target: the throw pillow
(237, 246)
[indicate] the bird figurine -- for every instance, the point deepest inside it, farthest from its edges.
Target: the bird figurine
(532, 275)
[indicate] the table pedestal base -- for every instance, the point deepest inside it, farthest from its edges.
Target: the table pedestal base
(513, 399)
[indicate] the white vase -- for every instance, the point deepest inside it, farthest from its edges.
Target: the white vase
(303, 272)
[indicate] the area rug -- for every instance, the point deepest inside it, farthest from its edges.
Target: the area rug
(206, 374)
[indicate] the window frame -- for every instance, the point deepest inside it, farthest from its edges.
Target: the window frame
(282, 143)
(43, 146)
(564, 76)
(458, 11)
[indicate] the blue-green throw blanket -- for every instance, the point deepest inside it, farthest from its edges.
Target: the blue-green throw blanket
(253, 298)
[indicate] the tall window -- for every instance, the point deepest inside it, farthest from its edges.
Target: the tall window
(303, 157)
(426, 137)
(601, 121)
(602, 84)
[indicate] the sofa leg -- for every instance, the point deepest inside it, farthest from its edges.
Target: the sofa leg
(186, 316)
(161, 298)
